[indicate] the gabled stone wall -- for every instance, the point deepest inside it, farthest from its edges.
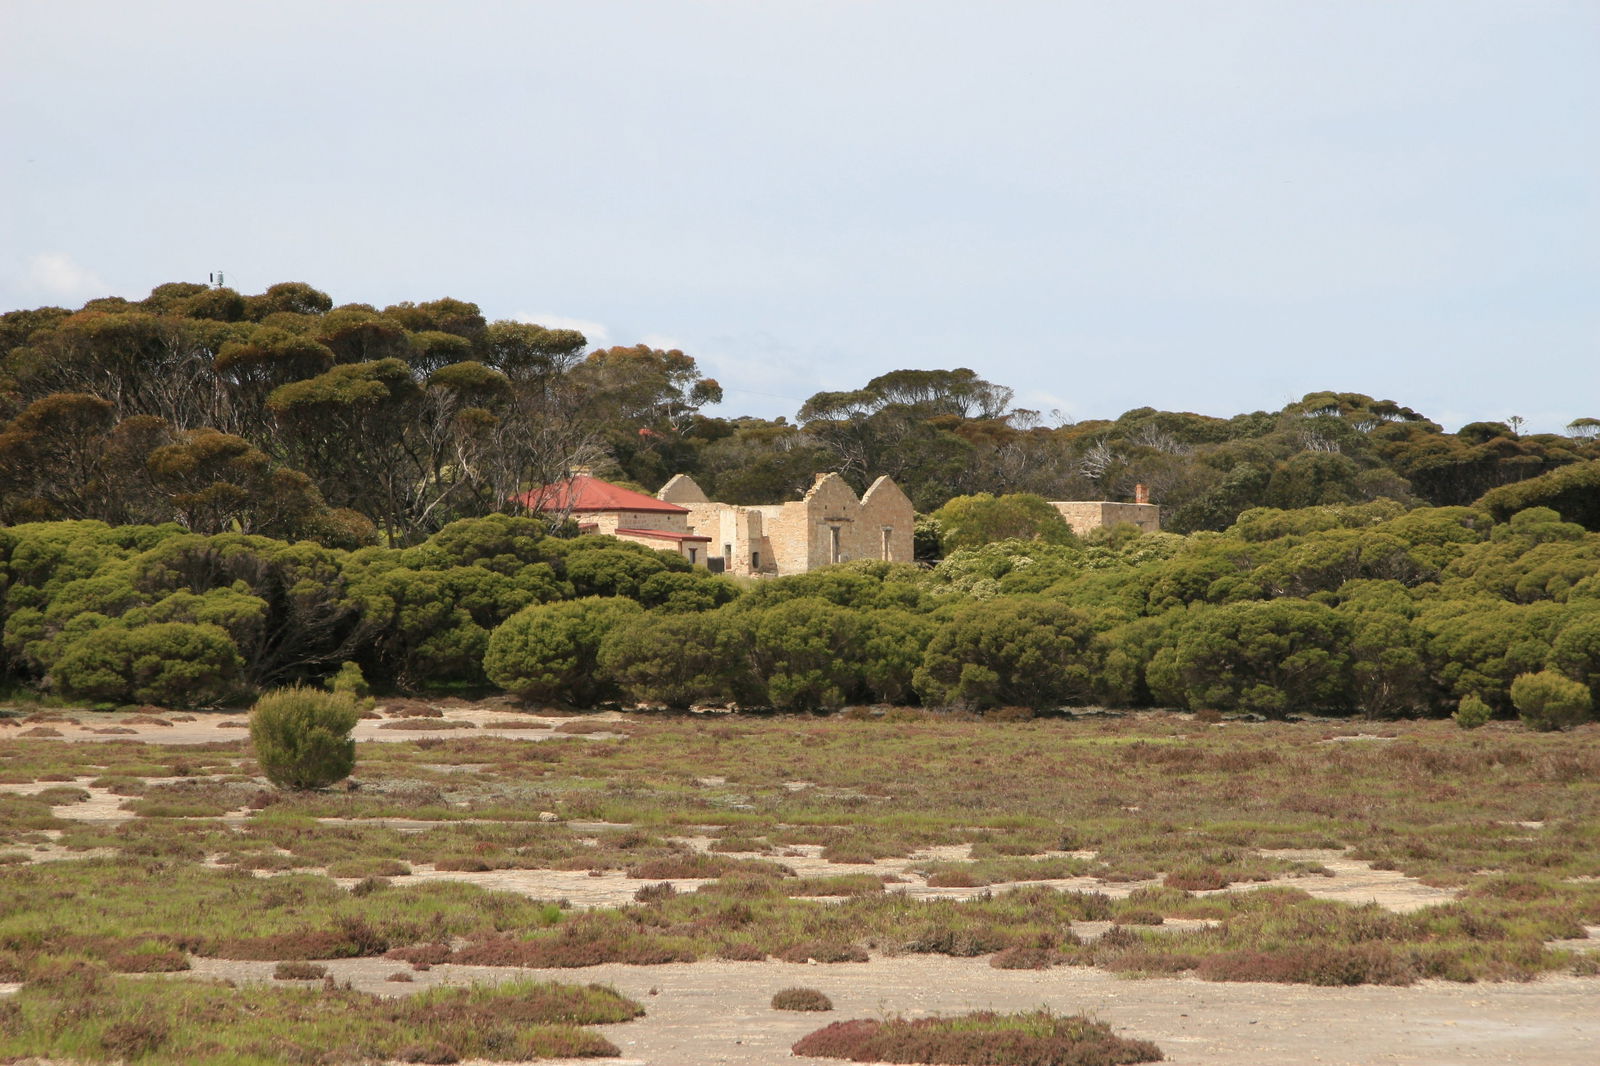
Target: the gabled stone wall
(830, 524)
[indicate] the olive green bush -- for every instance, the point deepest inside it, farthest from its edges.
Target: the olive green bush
(302, 736)
(1547, 701)
(550, 651)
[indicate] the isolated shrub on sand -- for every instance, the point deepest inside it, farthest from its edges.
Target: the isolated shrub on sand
(983, 1038)
(801, 999)
(302, 736)
(1549, 701)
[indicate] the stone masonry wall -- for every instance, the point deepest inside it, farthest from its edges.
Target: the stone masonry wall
(1084, 516)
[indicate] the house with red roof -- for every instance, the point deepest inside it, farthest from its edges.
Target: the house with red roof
(829, 524)
(601, 507)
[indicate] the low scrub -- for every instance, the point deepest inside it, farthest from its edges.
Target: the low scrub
(984, 1038)
(94, 1019)
(801, 999)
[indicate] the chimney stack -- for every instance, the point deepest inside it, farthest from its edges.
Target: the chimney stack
(1141, 494)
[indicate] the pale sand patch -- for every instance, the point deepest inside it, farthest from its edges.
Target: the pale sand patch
(1354, 881)
(720, 1012)
(207, 728)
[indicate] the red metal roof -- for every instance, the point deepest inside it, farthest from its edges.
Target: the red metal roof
(587, 494)
(661, 534)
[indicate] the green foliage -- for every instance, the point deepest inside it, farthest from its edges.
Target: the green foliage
(972, 521)
(1471, 713)
(551, 651)
(1548, 701)
(302, 737)
(1268, 657)
(1028, 651)
(682, 659)
(349, 682)
(808, 653)
(174, 664)
(1573, 491)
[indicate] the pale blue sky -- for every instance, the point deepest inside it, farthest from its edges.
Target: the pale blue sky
(1196, 205)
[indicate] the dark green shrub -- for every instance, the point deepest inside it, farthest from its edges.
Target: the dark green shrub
(550, 651)
(174, 664)
(1549, 701)
(1008, 651)
(302, 737)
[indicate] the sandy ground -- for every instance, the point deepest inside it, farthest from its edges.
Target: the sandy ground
(209, 727)
(720, 1012)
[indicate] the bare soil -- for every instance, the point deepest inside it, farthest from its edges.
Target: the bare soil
(720, 1012)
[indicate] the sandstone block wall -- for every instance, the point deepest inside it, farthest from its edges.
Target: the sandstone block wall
(1086, 515)
(830, 524)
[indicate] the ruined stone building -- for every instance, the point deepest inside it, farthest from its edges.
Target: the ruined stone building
(830, 524)
(1085, 515)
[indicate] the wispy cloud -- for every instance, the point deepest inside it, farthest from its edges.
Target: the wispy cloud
(57, 276)
(595, 332)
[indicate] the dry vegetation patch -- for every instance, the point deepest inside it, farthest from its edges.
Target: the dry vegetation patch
(983, 1038)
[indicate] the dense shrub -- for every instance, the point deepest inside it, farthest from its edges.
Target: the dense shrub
(173, 664)
(1269, 657)
(551, 651)
(681, 659)
(1472, 712)
(1548, 701)
(302, 737)
(1029, 651)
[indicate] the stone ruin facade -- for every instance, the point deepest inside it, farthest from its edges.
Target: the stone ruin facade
(830, 524)
(1086, 515)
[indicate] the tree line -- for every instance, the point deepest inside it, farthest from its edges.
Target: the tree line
(1369, 608)
(284, 415)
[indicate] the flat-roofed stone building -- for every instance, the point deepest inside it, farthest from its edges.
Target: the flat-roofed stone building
(1085, 515)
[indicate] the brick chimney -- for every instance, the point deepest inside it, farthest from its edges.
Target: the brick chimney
(1141, 494)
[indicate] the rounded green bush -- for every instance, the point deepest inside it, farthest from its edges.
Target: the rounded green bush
(1472, 712)
(1549, 701)
(302, 736)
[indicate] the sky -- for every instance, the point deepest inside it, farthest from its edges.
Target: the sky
(1203, 205)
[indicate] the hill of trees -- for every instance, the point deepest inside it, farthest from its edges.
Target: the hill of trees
(285, 415)
(205, 493)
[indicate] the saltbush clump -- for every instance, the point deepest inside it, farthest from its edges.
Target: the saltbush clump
(302, 737)
(979, 1038)
(801, 999)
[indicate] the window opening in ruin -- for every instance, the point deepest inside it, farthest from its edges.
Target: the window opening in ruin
(833, 542)
(755, 560)
(886, 531)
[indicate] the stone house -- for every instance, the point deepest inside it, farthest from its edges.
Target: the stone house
(601, 507)
(830, 524)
